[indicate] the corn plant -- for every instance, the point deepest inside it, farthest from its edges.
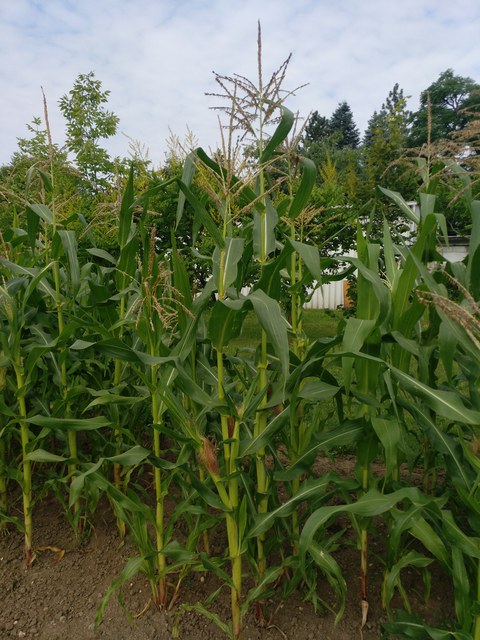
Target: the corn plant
(458, 550)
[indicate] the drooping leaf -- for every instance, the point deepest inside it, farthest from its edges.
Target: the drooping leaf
(279, 135)
(274, 324)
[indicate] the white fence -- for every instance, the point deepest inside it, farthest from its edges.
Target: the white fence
(328, 296)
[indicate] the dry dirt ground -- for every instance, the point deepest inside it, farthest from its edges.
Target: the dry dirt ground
(56, 599)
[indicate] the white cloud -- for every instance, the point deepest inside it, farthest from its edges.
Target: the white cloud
(157, 56)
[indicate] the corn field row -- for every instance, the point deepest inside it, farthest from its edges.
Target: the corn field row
(112, 370)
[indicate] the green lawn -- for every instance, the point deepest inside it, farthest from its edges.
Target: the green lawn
(316, 324)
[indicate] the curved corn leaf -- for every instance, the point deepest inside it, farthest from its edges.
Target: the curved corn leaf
(42, 211)
(370, 504)
(40, 455)
(129, 458)
(281, 132)
(274, 324)
(311, 258)
(403, 206)
(252, 445)
(392, 576)
(448, 404)
(346, 435)
(302, 197)
(311, 488)
(316, 390)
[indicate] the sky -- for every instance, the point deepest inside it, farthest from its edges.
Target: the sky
(156, 57)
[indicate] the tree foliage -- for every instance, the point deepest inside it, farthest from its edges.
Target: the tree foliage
(343, 127)
(89, 122)
(452, 100)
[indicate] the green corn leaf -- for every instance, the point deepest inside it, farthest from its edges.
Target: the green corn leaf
(39, 281)
(281, 132)
(181, 282)
(187, 177)
(129, 458)
(427, 204)
(378, 297)
(245, 195)
(202, 215)
(101, 253)
(457, 537)
(127, 263)
(73, 424)
(206, 613)
(225, 263)
(19, 270)
(464, 177)
(42, 211)
(40, 455)
(310, 489)
(274, 324)
(403, 206)
(33, 224)
(391, 267)
(249, 446)
(126, 212)
(423, 531)
(70, 246)
(333, 573)
(355, 334)
(225, 324)
(270, 280)
(410, 626)
(388, 432)
(134, 566)
(445, 403)
(302, 197)
(114, 398)
(442, 442)
(344, 436)
(316, 391)
(461, 589)
(402, 293)
(392, 576)
(207, 494)
(370, 504)
(311, 258)
(473, 260)
(264, 238)
(78, 482)
(259, 591)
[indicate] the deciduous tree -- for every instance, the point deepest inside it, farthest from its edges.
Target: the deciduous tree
(88, 123)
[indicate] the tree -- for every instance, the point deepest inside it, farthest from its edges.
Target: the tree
(89, 122)
(380, 122)
(343, 127)
(317, 129)
(332, 219)
(385, 141)
(38, 172)
(452, 100)
(385, 160)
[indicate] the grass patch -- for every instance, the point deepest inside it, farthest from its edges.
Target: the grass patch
(316, 324)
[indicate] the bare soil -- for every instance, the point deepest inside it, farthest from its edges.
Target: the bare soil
(57, 597)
